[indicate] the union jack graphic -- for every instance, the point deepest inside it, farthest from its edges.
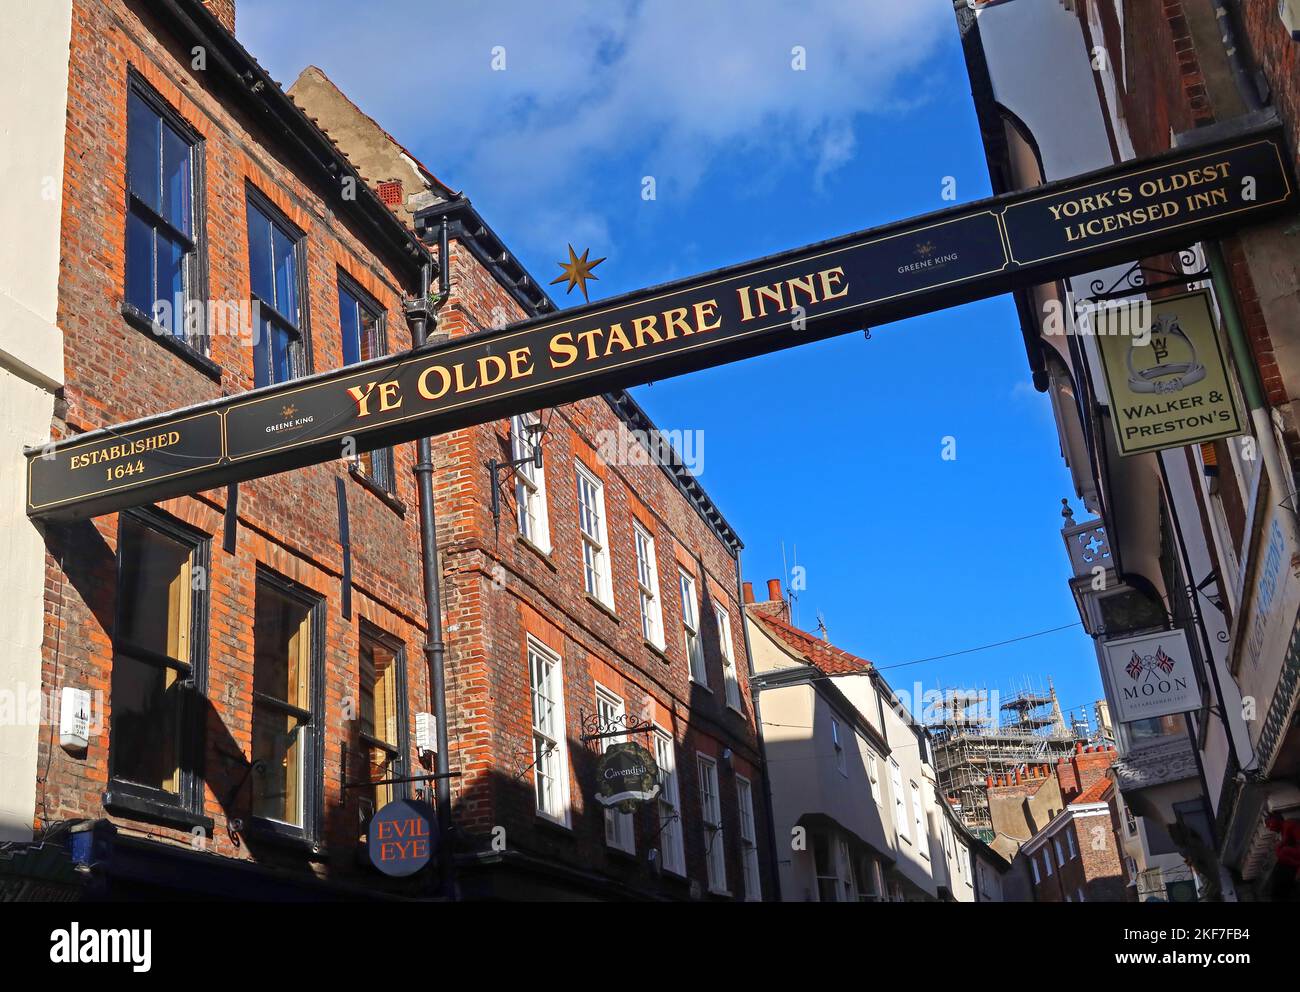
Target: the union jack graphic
(1163, 661)
(1135, 666)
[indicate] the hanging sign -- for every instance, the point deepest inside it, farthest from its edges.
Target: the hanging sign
(1168, 382)
(1152, 675)
(401, 838)
(626, 776)
(863, 279)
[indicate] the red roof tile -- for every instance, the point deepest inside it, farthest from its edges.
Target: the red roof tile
(1095, 793)
(826, 658)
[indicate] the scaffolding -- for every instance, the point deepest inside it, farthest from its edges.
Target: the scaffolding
(972, 740)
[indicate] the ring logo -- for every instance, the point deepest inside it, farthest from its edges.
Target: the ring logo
(77, 946)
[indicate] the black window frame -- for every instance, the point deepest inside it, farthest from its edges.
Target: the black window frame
(194, 348)
(301, 355)
(133, 799)
(383, 476)
(308, 835)
(401, 747)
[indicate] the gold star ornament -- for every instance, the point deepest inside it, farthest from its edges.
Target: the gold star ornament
(577, 271)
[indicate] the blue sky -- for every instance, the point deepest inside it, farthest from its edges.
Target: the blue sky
(834, 448)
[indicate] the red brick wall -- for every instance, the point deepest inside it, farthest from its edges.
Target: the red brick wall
(488, 622)
(223, 11)
(114, 372)
(1166, 90)
(495, 586)
(1096, 867)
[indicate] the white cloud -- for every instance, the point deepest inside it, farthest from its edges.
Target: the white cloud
(657, 87)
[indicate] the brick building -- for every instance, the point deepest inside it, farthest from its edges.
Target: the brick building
(1065, 827)
(255, 654)
(1200, 537)
(243, 655)
(609, 574)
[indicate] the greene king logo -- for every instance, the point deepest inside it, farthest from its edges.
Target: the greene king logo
(77, 946)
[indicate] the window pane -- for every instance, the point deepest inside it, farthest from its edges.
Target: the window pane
(262, 353)
(154, 595)
(286, 284)
(139, 264)
(259, 255)
(147, 708)
(171, 283)
(369, 335)
(378, 704)
(281, 357)
(176, 185)
(142, 137)
(349, 327)
(277, 782)
(282, 647)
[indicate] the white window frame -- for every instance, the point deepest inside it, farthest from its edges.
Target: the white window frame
(647, 580)
(593, 533)
(715, 845)
(530, 485)
(841, 759)
(900, 803)
(730, 677)
(692, 642)
(918, 820)
(1060, 852)
(1047, 861)
(620, 828)
(1069, 842)
(873, 773)
(1033, 863)
(556, 765)
(847, 889)
(748, 840)
(669, 804)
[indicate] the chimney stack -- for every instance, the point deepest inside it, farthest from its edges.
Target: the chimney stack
(774, 591)
(223, 11)
(749, 592)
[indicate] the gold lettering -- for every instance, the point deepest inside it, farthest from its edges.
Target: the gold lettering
(675, 320)
(423, 382)
(390, 396)
(617, 336)
(831, 278)
(361, 394)
(499, 365)
(589, 339)
(703, 313)
(644, 327)
(562, 345)
(519, 363)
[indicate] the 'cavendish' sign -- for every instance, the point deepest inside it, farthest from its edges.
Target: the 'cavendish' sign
(626, 776)
(1168, 382)
(1152, 676)
(869, 278)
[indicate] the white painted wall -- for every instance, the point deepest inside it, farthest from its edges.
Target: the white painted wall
(33, 110)
(796, 731)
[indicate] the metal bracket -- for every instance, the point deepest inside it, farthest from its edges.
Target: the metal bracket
(344, 784)
(1136, 279)
(535, 431)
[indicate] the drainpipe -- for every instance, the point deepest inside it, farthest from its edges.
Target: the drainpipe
(1281, 482)
(1245, 85)
(773, 863)
(434, 648)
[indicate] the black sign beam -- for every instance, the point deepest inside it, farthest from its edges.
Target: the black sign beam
(865, 279)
